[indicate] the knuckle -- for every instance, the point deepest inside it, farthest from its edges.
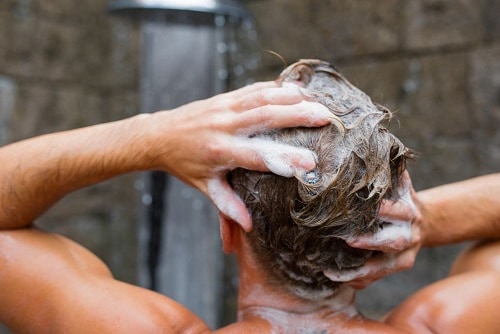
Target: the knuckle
(215, 150)
(261, 114)
(407, 262)
(401, 243)
(417, 238)
(256, 161)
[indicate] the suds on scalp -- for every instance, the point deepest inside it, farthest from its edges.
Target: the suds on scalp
(299, 226)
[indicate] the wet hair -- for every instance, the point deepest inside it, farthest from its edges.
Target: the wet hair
(300, 224)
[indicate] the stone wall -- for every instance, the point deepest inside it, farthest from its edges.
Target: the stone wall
(435, 62)
(63, 65)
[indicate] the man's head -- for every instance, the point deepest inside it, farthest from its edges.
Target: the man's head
(300, 225)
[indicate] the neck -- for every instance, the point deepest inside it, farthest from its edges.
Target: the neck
(281, 309)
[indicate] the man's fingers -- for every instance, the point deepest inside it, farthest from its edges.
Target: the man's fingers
(252, 88)
(400, 210)
(285, 94)
(375, 268)
(228, 203)
(306, 114)
(265, 155)
(398, 231)
(392, 237)
(403, 209)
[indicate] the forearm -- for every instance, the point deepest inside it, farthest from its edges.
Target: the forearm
(197, 143)
(467, 210)
(37, 172)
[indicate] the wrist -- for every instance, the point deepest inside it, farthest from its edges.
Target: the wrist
(154, 140)
(427, 209)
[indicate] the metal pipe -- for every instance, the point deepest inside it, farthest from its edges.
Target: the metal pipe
(222, 7)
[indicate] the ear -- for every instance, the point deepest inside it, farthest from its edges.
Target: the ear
(230, 232)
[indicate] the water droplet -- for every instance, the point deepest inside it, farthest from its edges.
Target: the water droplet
(222, 47)
(186, 193)
(197, 204)
(222, 74)
(147, 199)
(238, 70)
(220, 21)
(139, 185)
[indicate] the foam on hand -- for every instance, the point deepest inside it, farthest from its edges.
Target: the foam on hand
(315, 112)
(280, 159)
(347, 275)
(395, 233)
(228, 202)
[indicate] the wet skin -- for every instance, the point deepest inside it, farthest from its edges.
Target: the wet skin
(53, 285)
(50, 284)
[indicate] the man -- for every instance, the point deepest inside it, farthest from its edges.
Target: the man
(297, 269)
(51, 285)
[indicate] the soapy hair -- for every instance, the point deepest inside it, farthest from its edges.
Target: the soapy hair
(300, 224)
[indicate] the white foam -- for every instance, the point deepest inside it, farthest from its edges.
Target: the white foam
(405, 193)
(361, 272)
(226, 201)
(281, 159)
(346, 275)
(396, 233)
(317, 319)
(315, 112)
(291, 88)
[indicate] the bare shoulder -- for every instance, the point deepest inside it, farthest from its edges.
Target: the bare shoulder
(51, 284)
(254, 325)
(464, 303)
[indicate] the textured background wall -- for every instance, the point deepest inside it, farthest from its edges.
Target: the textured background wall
(66, 64)
(435, 62)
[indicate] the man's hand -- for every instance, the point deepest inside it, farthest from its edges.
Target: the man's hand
(198, 143)
(398, 241)
(208, 138)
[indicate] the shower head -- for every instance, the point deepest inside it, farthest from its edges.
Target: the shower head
(222, 7)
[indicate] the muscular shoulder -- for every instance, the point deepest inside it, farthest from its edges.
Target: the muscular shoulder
(464, 303)
(51, 284)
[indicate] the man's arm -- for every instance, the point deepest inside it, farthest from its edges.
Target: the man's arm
(197, 143)
(452, 213)
(37, 172)
(461, 211)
